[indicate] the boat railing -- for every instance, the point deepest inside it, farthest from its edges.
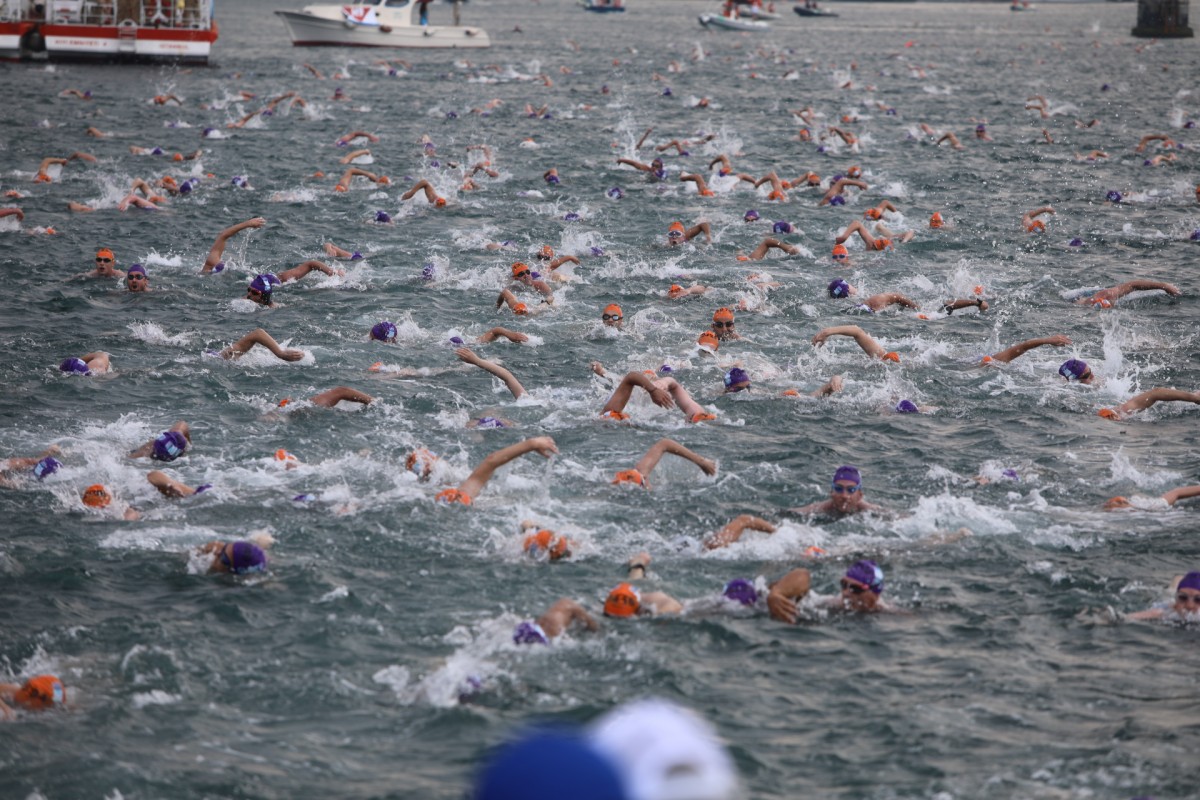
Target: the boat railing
(16, 10)
(186, 14)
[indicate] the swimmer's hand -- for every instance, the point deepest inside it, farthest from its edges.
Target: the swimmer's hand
(292, 355)
(1058, 340)
(662, 397)
(544, 446)
(257, 222)
(782, 608)
(465, 354)
(598, 368)
(708, 466)
(820, 338)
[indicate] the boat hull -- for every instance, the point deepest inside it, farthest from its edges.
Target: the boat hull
(725, 23)
(812, 12)
(74, 42)
(308, 30)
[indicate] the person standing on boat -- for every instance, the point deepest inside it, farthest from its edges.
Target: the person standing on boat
(423, 7)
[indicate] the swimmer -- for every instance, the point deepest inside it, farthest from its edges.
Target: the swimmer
(213, 262)
(235, 558)
(1147, 503)
(130, 200)
(733, 530)
(261, 289)
(465, 355)
(260, 337)
(352, 135)
(612, 316)
(163, 99)
(849, 138)
(625, 601)
(677, 234)
(664, 392)
(1107, 298)
(845, 496)
(469, 489)
(547, 254)
(431, 196)
(343, 183)
(1030, 221)
(861, 588)
(105, 266)
(1010, 354)
(333, 251)
(169, 487)
(1146, 399)
(537, 540)
(777, 186)
(640, 474)
(838, 189)
(765, 246)
(41, 465)
(98, 497)
(36, 694)
(1094, 155)
(981, 132)
(874, 303)
(1037, 103)
(523, 275)
(655, 168)
(498, 333)
(506, 297)
(868, 345)
(877, 212)
(722, 325)
(353, 154)
(832, 386)
(96, 133)
(555, 622)
(96, 363)
(872, 243)
(1162, 138)
(168, 445)
(677, 292)
(136, 279)
(698, 179)
(1187, 601)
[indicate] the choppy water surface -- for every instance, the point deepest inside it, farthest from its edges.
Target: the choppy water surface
(339, 675)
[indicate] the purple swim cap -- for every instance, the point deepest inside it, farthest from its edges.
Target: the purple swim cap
(1113, 196)
(207, 131)
(47, 466)
(458, 340)
(666, 369)
(868, 572)
(356, 256)
(571, 216)
(383, 332)
(1073, 370)
(597, 251)
(304, 498)
(891, 112)
(742, 591)
(490, 422)
(158, 151)
(383, 216)
(239, 181)
(1076, 242)
(220, 266)
(202, 488)
(247, 558)
(981, 128)
(847, 472)
(1195, 237)
(837, 200)
(451, 115)
(1011, 474)
(75, 366)
(429, 272)
(136, 268)
(1191, 123)
(750, 216)
(907, 407)
(169, 445)
(553, 180)
(87, 93)
(529, 633)
(782, 226)
(735, 377)
(261, 284)
(185, 187)
(835, 179)
(1190, 581)
(1104, 88)
(839, 288)
(268, 112)
(616, 193)
(666, 91)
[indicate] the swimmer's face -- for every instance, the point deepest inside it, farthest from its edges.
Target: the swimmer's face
(525, 276)
(137, 282)
(723, 329)
(611, 320)
(858, 596)
(262, 298)
(845, 495)
(1187, 601)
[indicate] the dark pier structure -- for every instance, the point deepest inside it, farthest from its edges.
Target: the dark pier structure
(1164, 19)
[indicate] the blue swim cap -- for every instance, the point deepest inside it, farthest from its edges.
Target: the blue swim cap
(383, 332)
(383, 216)
(616, 193)
(1113, 196)
(750, 216)
(75, 366)
(907, 407)
(782, 226)
(839, 288)
(169, 445)
(666, 369)
(837, 200)
(247, 558)
(868, 572)
(735, 377)
(549, 765)
(47, 466)
(185, 187)
(529, 632)
(742, 591)
(553, 180)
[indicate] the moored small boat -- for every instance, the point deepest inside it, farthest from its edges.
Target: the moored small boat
(603, 6)
(376, 23)
(734, 23)
(812, 11)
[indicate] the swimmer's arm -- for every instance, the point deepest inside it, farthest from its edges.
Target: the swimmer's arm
(353, 154)
(868, 345)
(495, 333)
(510, 380)
(483, 473)
(300, 270)
(1150, 613)
(1029, 216)
(661, 603)
(650, 460)
(1181, 493)
(1018, 350)
(733, 530)
(811, 508)
(950, 306)
(558, 262)
(50, 161)
(1146, 285)
(782, 597)
(545, 290)
(882, 301)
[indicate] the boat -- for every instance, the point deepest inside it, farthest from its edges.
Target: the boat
(603, 6)
(181, 31)
(1024, 6)
(376, 23)
(734, 23)
(812, 11)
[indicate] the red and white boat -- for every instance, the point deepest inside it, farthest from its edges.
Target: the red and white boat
(108, 30)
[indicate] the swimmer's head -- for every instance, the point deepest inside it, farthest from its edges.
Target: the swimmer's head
(450, 496)
(243, 558)
(847, 474)
(186, 187)
(907, 407)
(521, 271)
(1036, 226)
(43, 691)
(286, 457)
(741, 591)
(546, 253)
(839, 288)
(74, 366)
(520, 309)
(1076, 370)
(616, 192)
(529, 633)
(383, 216)
(868, 574)
(612, 314)
(136, 269)
(936, 220)
(675, 290)
(105, 256)
(383, 332)
(783, 226)
(629, 476)
(46, 467)
(420, 462)
(1109, 413)
(854, 171)
(1076, 242)
(1112, 196)
(1115, 503)
(722, 314)
(873, 213)
(489, 422)
(883, 243)
(736, 379)
(571, 216)
(169, 445)
(623, 601)
(750, 216)
(666, 369)
(259, 290)
(840, 253)
(708, 339)
(1100, 302)
(676, 232)
(96, 496)
(545, 541)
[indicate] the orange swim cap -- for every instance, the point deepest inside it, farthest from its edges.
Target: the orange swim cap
(791, 392)
(440, 202)
(378, 365)
(339, 188)
(547, 252)
(623, 601)
(284, 455)
(613, 308)
(520, 309)
(708, 339)
(1035, 226)
(420, 461)
(168, 181)
(978, 290)
(104, 252)
(702, 416)
(317, 174)
(883, 243)
(518, 267)
(544, 540)
(840, 250)
(619, 416)
(1114, 503)
(707, 193)
(1109, 413)
(986, 360)
(453, 496)
(96, 496)
(872, 213)
(43, 691)
(777, 195)
(43, 178)
(723, 314)
(1100, 302)
(630, 476)
(854, 171)
(891, 357)
(283, 403)
(936, 220)
(676, 226)
(177, 157)
(384, 180)
(813, 551)
(675, 289)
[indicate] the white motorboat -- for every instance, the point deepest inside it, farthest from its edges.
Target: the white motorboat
(734, 23)
(376, 23)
